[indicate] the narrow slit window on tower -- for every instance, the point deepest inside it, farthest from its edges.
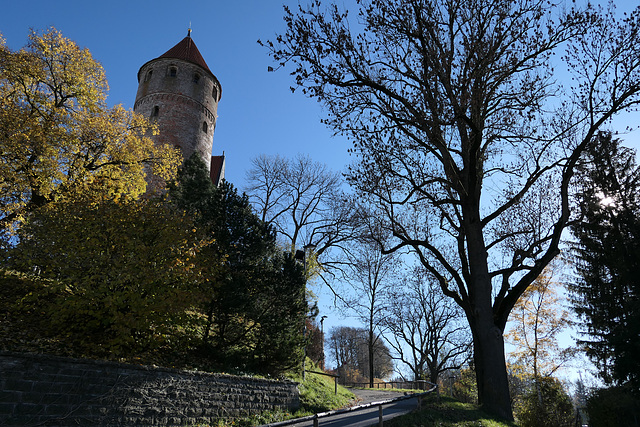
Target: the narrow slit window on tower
(173, 71)
(155, 111)
(205, 127)
(196, 78)
(215, 93)
(148, 76)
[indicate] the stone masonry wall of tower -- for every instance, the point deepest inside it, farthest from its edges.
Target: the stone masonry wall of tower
(182, 97)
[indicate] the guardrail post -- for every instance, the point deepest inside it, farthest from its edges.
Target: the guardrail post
(370, 406)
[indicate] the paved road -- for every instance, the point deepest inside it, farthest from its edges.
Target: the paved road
(368, 395)
(367, 417)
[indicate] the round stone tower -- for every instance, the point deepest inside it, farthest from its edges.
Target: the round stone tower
(180, 93)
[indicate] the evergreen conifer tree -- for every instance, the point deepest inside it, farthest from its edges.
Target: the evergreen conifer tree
(608, 260)
(253, 293)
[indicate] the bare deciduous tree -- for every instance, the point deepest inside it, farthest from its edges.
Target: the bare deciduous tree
(306, 204)
(266, 187)
(460, 124)
(427, 329)
(349, 349)
(371, 275)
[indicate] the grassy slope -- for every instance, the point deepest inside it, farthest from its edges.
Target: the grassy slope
(444, 411)
(317, 394)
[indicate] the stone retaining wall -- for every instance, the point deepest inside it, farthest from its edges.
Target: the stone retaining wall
(56, 391)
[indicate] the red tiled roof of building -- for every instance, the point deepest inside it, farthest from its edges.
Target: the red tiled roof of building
(187, 51)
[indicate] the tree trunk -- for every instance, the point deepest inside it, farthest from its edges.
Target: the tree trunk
(208, 326)
(488, 342)
(490, 366)
(433, 379)
(371, 370)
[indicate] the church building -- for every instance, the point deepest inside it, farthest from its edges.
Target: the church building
(179, 92)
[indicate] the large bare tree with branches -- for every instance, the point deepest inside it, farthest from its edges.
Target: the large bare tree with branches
(426, 328)
(465, 137)
(305, 202)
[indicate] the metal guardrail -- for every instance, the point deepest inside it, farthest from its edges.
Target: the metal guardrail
(414, 385)
(316, 417)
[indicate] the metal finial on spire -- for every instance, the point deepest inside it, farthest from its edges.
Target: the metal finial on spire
(189, 30)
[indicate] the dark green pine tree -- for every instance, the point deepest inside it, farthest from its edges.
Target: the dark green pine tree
(605, 293)
(254, 296)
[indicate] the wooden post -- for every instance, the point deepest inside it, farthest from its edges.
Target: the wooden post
(315, 420)
(380, 416)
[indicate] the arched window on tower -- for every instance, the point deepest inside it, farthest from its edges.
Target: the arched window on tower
(196, 78)
(205, 127)
(155, 112)
(215, 93)
(148, 76)
(173, 71)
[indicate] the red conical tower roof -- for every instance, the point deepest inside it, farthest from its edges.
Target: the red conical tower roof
(186, 50)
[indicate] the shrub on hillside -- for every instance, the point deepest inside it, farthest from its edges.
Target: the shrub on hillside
(552, 407)
(110, 277)
(614, 406)
(465, 388)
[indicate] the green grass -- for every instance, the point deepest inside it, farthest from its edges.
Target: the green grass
(444, 411)
(317, 394)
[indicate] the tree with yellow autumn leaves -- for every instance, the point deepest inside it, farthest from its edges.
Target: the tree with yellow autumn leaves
(110, 278)
(108, 267)
(537, 320)
(58, 137)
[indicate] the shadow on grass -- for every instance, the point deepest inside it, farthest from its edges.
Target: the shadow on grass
(447, 412)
